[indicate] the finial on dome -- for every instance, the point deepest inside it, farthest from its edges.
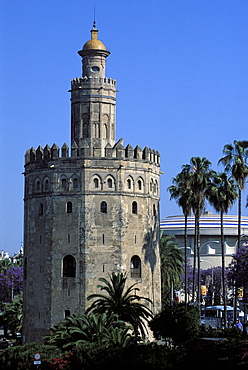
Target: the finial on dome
(94, 22)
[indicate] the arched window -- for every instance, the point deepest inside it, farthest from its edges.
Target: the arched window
(37, 185)
(139, 185)
(96, 182)
(129, 184)
(135, 267)
(134, 208)
(69, 266)
(110, 183)
(64, 184)
(75, 182)
(69, 207)
(46, 184)
(103, 207)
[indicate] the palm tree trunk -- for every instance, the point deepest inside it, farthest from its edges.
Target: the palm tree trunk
(194, 264)
(185, 257)
(198, 262)
(239, 219)
(238, 246)
(223, 268)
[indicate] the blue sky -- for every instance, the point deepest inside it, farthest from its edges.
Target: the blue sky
(181, 71)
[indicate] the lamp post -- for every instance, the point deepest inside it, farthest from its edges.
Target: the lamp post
(199, 272)
(212, 278)
(186, 277)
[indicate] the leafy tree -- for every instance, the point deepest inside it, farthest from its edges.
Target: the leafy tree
(11, 283)
(171, 262)
(126, 304)
(221, 194)
(4, 265)
(182, 192)
(179, 322)
(12, 316)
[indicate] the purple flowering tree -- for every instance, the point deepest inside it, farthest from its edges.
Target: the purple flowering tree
(11, 283)
(213, 288)
(238, 269)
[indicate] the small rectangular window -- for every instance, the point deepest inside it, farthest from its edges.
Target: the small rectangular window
(69, 238)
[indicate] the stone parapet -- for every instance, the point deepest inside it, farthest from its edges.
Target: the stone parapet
(117, 151)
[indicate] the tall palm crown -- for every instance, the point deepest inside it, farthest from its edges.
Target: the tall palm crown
(171, 260)
(181, 189)
(222, 192)
(126, 304)
(235, 161)
(201, 173)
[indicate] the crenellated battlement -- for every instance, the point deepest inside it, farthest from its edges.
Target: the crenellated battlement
(87, 81)
(117, 151)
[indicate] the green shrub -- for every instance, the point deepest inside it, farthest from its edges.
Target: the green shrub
(179, 322)
(22, 357)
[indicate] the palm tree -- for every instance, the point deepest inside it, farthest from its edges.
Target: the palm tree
(235, 162)
(171, 261)
(182, 192)
(201, 173)
(126, 304)
(222, 193)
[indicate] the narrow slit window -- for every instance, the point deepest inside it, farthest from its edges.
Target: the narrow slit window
(41, 209)
(69, 207)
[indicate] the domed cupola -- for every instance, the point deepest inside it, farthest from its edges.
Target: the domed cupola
(94, 54)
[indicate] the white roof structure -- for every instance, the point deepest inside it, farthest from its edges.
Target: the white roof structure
(209, 225)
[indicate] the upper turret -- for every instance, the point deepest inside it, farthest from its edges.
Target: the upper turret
(94, 54)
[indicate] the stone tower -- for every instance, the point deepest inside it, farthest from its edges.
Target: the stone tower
(90, 212)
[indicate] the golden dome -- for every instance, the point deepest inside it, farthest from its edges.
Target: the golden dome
(94, 43)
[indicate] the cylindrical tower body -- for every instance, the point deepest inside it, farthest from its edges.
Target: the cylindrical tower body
(90, 213)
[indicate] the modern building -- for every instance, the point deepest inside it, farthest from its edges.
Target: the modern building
(89, 211)
(210, 236)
